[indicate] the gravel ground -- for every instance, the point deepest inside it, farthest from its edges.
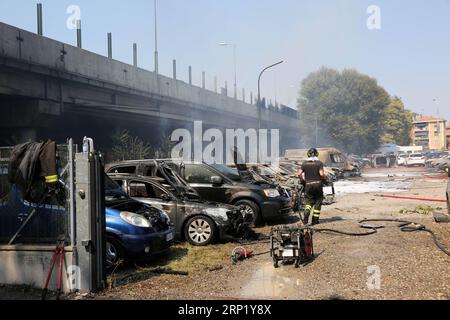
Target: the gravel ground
(410, 265)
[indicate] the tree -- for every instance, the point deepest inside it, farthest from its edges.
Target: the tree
(397, 123)
(342, 109)
(129, 147)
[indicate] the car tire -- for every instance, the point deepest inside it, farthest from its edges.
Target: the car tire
(115, 254)
(200, 231)
(251, 207)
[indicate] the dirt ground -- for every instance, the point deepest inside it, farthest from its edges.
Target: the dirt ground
(410, 266)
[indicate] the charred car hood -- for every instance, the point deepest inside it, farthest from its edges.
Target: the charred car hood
(117, 199)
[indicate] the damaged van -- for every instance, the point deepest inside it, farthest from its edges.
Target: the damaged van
(197, 221)
(332, 158)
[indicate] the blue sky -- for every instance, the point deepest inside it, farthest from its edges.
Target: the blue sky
(410, 55)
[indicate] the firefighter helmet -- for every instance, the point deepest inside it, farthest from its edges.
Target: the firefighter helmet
(313, 152)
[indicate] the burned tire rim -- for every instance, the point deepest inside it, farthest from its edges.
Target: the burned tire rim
(200, 231)
(248, 209)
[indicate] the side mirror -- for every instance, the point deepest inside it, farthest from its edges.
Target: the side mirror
(216, 181)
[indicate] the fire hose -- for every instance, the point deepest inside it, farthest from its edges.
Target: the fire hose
(411, 198)
(405, 226)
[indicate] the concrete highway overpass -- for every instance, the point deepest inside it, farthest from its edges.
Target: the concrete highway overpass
(49, 89)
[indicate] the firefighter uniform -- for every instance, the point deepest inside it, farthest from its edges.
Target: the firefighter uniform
(313, 189)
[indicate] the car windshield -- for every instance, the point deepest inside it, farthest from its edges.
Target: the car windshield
(113, 191)
(228, 172)
(416, 155)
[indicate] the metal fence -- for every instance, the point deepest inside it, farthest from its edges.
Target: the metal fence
(41, 223)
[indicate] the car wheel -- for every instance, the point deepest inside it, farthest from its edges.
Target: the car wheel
(251, 208)
(200, 231)
(114, 253)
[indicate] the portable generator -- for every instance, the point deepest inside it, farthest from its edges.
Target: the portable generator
(291, 245)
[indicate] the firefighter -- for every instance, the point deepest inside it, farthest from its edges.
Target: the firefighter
(313, 176)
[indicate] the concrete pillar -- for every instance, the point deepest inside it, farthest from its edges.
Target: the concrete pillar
(203, 80)
(243, 94)
(251, 97)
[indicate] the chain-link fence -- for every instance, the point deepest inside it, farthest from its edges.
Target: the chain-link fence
(24, 222)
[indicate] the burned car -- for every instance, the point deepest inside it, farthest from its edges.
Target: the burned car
(217, 183)
(197, 221)
(134, 230)
(332, 158)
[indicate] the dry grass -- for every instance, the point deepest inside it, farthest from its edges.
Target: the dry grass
(184, 257)
(425, 210)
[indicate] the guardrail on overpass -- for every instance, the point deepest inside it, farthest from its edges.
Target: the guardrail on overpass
(21, 45)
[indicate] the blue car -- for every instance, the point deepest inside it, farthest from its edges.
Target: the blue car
(134, 230)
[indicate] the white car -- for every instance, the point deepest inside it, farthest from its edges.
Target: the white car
(401, 160)
(415, 159)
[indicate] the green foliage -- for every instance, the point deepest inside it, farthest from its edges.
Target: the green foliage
(348, 108)
(129, 147)
(397, 123)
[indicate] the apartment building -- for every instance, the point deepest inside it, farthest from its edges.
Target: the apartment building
(430, 133)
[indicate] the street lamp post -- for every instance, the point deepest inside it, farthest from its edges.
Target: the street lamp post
(259, 90)
(156, 39)
(224, 44)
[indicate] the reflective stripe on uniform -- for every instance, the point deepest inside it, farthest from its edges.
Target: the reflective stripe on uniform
(308, 207)
(51, 179)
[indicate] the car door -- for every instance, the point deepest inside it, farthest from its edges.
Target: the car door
(156, 196)
(199, 177)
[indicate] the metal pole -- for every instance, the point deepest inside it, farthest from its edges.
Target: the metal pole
(156, 39)
(259, 90)
(203, 80)
(39, 19)
(109, 45)
(235, 71)
(135, 55)
(190, 75)
(174, 66)
(79, 44)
